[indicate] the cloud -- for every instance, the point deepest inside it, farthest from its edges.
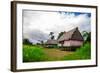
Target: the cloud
(36, 35)
(71, 21)
(38, 24)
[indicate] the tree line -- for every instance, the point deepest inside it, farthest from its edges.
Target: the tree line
(86, 35)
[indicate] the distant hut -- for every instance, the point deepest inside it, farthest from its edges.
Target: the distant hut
(71, 39)
(51, 43)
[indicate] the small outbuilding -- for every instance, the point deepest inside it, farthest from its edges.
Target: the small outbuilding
(51, 43)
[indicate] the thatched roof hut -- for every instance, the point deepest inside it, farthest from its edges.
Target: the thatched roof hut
(71, 38)
(51, 42)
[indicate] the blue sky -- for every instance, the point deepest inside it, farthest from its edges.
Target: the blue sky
(76, 13)
(38, 24)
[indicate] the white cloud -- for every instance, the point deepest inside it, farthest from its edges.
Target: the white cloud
(40, 23)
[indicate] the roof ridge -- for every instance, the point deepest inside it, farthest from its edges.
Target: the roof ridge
(69, 34)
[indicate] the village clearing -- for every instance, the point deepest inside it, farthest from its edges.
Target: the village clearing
(37, 53)
(57, 54)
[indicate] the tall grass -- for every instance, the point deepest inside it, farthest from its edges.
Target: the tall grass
(36, 53)
(33, 53)
(84, 52)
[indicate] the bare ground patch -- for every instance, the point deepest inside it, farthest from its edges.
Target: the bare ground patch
(56, 54)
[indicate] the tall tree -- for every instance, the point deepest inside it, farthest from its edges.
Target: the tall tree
(52, 35)
(26, 41)
(89, 37)
(60, 34)
(86, 36)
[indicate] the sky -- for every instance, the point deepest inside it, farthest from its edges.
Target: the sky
(38, 24)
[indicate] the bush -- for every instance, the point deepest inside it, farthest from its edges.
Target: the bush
(33, 53)
(84, 52)
(52, 46)
(27, 42)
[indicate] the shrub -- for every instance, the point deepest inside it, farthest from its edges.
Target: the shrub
(52, 46)
(33, 53)
(84, 52)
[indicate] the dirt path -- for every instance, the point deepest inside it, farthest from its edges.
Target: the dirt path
(56, 53)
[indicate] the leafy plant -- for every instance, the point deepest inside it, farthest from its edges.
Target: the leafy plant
(87, 36)
(33, 53)
(60, 34)
(27, 42)
(83, 52)
(52, 35)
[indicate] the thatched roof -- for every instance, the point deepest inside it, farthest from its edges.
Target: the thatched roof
(68, 35)
(52, 42)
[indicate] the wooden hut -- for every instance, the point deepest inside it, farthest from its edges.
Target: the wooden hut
(72, 38)
(51, 43)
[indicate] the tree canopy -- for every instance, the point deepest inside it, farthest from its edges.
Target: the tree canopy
(52, 35)
(60, 34)
(26, 41)
(86, 36)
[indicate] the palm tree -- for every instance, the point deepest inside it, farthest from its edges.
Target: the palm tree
(60, 34)
(89, 37)
(86, 36)
(51, 35)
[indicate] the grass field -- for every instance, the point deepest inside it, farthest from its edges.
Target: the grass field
(35, 53)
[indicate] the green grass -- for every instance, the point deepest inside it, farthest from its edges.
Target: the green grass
(84, 52)
(36, 53)
(33, 53)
